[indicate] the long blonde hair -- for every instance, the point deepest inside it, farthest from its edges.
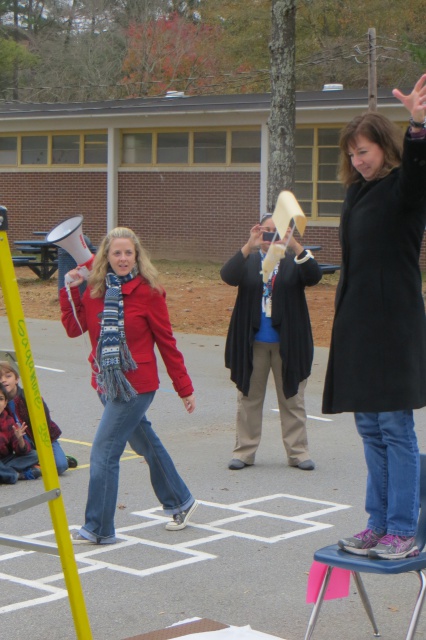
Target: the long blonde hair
(147, 270)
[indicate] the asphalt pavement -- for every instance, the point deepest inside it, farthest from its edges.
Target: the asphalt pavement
(246, 557)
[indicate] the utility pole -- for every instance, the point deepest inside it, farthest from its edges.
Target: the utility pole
(372, 70)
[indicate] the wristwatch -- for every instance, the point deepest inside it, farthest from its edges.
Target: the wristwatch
(417, 125)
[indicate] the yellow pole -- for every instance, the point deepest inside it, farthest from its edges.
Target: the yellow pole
(40, 430)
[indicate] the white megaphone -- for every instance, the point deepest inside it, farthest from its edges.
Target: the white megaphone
(69, 236)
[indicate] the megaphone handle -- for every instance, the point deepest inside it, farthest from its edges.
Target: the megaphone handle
(83, 271)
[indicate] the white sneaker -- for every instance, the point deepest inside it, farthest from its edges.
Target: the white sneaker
(77, 538)
(181, 519)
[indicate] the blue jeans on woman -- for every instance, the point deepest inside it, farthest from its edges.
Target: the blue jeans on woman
(393, 464)
(124, 422)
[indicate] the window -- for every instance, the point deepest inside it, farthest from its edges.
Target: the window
(8, 150)
(191, 147)
(318, 188)
(66, 149)
(172, 148)
(330, 192)
(304, 188)
(137, 148)
(96, 148)
(210, 147)
(34, 149)
(52, 149)
(245, 147)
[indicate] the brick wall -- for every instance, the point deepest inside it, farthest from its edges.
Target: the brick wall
(40, 201)
(178, 215)
(191, 216)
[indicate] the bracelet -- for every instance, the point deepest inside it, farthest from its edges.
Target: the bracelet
(307, 256)
(417, 125)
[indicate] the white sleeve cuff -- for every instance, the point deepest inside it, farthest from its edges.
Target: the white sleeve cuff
(305, 258)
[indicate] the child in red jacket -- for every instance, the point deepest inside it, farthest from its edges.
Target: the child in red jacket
(17, 458)
(9, 377)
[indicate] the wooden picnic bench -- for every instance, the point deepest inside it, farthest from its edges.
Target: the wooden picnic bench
(39, 256)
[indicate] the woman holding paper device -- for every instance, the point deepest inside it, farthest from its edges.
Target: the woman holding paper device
(270, 329)
(377, 362)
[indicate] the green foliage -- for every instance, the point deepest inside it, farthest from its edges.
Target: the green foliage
(13, 57)
(82, 45)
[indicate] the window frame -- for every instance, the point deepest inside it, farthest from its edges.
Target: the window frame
(191, 163)
(49, 164)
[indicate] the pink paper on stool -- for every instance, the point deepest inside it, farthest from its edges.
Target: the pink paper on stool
(338, 586)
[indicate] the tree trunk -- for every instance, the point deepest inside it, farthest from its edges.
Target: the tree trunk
(282, 119)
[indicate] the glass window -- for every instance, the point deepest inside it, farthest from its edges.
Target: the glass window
(329, 156)
(8, 150)
(327, 172)
(245, 147)
(303, 164)
(329, 209)
(172, 148)
(210, 146)
(328, 162)
(304, 137)
(304, 191)
(306, 207)
(96, 148)
(137, 148)
(34, 150)
(330, 191)
(65, 149)
(328, 137)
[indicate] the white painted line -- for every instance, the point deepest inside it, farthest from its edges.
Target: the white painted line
(50, 369)
(311, 417)
(220, 527)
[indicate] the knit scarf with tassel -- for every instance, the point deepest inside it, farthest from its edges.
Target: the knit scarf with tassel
(113, 354)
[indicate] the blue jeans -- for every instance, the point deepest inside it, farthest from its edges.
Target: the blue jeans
(60, 457)
(12, 465)
(124, 422)
(393, 464)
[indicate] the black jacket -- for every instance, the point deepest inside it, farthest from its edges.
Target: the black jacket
(290, 317)
(377, 356)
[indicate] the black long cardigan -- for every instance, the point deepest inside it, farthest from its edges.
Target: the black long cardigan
(377, 358)
(290, 317)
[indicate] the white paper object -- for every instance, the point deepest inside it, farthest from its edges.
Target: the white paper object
(231, 633)
(287, 209)
(274, 254)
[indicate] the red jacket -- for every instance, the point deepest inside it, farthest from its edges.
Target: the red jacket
(146, 323)
(8, 440)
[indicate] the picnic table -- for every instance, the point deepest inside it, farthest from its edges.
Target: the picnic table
(325, 268)
(38, 255)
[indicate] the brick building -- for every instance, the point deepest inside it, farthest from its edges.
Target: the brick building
(187, 173)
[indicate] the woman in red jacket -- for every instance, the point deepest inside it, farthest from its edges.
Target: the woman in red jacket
(124, 311)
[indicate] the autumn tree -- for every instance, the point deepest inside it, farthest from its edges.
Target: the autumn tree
(169, 53)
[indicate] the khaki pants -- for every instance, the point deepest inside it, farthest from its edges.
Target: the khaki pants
(266, 356)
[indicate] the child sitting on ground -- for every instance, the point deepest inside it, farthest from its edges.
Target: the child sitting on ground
(17, 458)
(9, 378)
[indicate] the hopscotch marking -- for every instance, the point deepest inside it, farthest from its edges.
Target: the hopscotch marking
(99, 557)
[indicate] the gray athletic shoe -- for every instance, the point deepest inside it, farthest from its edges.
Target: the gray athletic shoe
(393, 547)
(360, 543)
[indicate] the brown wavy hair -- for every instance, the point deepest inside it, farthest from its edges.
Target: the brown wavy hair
(147, 270)
(378, 129)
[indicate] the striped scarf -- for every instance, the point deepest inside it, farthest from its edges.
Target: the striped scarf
(113, 354)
